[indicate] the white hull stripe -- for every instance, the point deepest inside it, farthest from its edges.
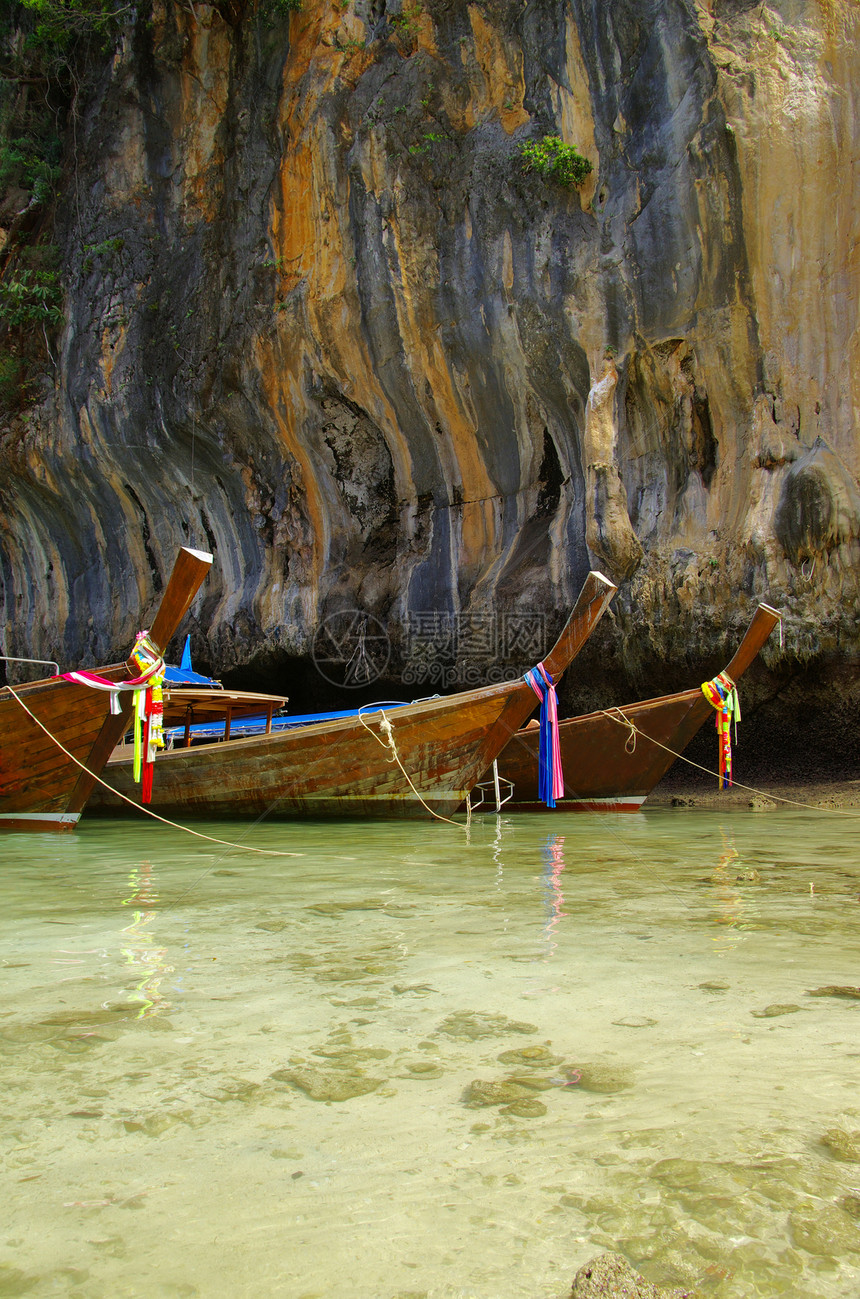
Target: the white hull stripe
(60, 818)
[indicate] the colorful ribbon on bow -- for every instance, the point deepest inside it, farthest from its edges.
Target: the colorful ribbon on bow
(722, 694)
(550, 776)
(148, 733)
(148, 705)
(148, 660)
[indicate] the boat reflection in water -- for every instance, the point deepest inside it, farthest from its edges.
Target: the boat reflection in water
(143, 956)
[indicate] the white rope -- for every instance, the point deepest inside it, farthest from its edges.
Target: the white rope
(388, 730)
(266, 852)
(812, 807)
(623, 720)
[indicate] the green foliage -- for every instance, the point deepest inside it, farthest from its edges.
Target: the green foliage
(59, 24)
(106, 248)
(285, 7)
(430, 138)
(32, 164)
(555, 160)
(31, 297)
(406, 21)
(10, 380)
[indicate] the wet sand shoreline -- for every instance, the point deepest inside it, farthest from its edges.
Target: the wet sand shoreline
(693, 788)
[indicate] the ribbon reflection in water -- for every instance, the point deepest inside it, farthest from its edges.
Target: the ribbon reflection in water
(141, 952)
(553, 856)
(734, 913)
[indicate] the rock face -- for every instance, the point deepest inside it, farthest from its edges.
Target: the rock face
(320, 321)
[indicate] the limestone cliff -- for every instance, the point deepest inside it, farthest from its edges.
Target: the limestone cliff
(319, 320)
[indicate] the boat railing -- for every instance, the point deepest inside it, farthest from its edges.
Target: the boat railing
(45, 663)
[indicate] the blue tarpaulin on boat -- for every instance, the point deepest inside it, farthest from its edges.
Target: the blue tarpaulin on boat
(174, 676)
(184, 675)
(245, 726)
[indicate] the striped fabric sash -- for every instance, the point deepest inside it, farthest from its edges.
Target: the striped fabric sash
(550, 776)
(148, 660)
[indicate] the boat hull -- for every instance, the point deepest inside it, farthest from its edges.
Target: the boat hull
(37, 779)
(421, 761)
(612, 759)
(338, 768)
(608, 768)
(56, 735)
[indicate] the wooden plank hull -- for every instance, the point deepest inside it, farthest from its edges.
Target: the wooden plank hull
(601, 774)
(41, 787)
(339, 768)
(36, 778)
(608, 767)
(345, 767)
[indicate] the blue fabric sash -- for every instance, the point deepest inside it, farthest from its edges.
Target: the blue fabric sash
(550, 777)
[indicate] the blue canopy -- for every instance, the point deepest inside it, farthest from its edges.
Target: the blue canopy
(244, 726)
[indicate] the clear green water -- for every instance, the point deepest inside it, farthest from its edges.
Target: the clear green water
(168, 1016)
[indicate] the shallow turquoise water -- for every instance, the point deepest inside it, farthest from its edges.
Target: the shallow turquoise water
(171, 1010)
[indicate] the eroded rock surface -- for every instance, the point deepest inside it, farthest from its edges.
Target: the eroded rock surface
(336, 335)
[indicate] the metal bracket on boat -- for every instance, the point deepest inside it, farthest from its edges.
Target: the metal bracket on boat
(45, 663)
(496, 786)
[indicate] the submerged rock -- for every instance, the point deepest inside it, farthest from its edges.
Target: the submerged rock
(699, 1177)
(836, 990)
(525, 1109)
(844, 1145)
(604, 1078)
(480, 1093)
(470, 1025)
(610, 1276)
(421, 1069)
(824, 1229)
(321, 1085)
(776, 1008)
(533, 1057)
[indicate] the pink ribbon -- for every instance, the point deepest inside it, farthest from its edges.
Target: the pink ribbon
(550, 775)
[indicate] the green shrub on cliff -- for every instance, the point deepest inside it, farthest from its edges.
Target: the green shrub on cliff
(31, 297)
(557, 161)
(31, 163)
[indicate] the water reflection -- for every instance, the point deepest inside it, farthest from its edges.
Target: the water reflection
(553, 857)
(142, 954)
(712, 1114)
(731, 908)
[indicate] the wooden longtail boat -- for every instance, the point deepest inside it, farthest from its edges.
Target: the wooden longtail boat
(607, 766)
(426, 763)
(40, 787)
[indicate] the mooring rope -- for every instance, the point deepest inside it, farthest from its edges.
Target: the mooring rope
(750, 789)
(388, 730)
(225, 843)
(617, 716)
